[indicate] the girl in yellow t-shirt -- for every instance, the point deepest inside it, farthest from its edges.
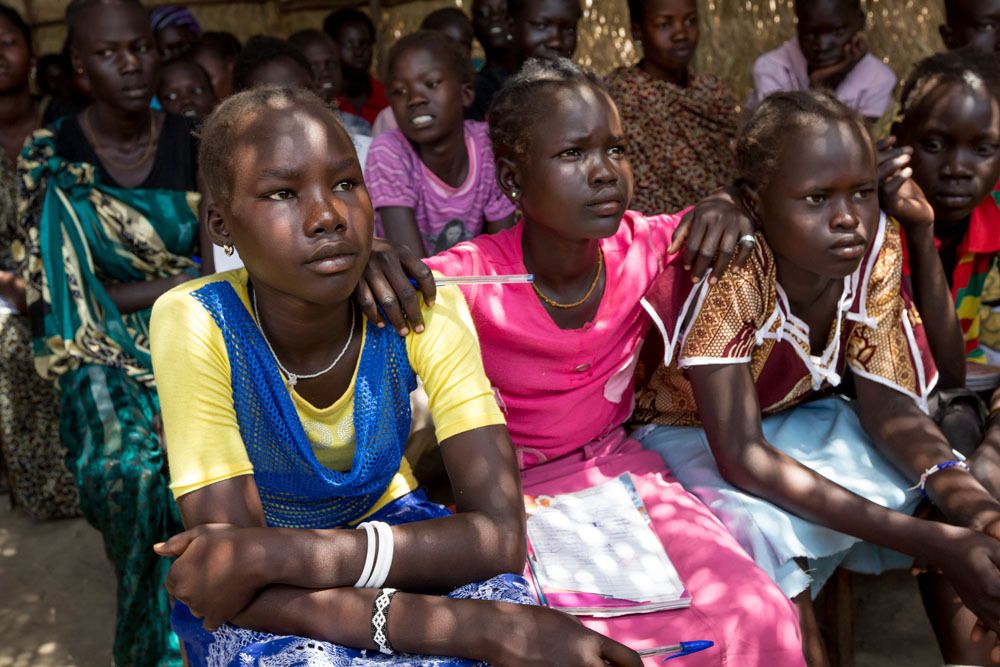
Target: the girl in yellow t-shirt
(286, 412)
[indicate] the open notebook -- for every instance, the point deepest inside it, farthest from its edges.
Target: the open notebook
(594, 553)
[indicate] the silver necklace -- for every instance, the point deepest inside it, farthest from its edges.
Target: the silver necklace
(293, 378)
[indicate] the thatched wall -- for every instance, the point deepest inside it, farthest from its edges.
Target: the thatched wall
(734, 32)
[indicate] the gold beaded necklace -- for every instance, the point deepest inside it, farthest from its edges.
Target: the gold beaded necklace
(586, 297)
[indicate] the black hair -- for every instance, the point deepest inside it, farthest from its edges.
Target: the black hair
(437, 44)
(636, 10)
(218, 133)
(849, 5)
(76, 8)
(18, 22)
(341, 17)
(525, 98)
(261, 50)
(184, 60)
(439, 19)
(956, 12)
(514, 7)
(967, 65)
(762, 137)
(223, 45)
(46, 61)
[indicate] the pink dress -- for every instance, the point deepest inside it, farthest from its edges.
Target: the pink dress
(566, 394)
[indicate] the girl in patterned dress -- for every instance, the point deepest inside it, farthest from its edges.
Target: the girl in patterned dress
(820, 481)
(680, 125)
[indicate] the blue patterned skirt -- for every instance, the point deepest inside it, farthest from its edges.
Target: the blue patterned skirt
(230, 646)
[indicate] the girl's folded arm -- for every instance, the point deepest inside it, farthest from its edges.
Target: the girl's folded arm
(485, 538)
(908, 438)
(730, 411)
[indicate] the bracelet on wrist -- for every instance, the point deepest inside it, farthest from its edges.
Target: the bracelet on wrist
(380, 620)
(934, 469)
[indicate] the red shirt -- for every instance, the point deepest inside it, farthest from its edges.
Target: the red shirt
(375, 102)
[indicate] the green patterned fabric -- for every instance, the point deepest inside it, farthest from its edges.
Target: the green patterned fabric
(118, 462)
(77, 234)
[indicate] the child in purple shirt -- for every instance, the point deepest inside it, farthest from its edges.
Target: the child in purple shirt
(829, 52)
(433, 180)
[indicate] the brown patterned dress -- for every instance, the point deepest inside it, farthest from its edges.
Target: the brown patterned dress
(680, 139)
(746, 318)
(40, 483)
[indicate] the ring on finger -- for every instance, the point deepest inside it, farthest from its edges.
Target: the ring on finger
(748, 239)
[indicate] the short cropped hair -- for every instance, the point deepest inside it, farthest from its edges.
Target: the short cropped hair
(76, 8)
(218, 134)
(437, 44)
(340, 17)
(261, 50)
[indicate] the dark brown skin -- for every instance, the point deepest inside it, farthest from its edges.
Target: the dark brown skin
(954, 138)
(491, 25)
(115, 49)
(669, 36)
(546, 29)
(831, 40)
(422, 85)
(356, 46)
(19, 117)
(975, 22)
(573, 187)
(298, 195)
(904, 200)
(821, 196)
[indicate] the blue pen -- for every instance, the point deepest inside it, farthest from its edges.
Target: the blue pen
(678, 650)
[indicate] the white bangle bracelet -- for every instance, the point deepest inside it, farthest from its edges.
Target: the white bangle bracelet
(383, 560)
(366, 571)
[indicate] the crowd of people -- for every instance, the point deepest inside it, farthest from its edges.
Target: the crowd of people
(218, 267)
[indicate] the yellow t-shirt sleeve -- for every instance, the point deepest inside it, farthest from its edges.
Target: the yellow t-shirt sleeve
(447, 358)
(191, 366)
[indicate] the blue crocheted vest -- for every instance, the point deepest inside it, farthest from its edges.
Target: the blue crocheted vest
(297, 491)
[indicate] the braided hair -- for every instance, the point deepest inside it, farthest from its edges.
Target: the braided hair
(967, 66)
(760, 141)
(525, 99)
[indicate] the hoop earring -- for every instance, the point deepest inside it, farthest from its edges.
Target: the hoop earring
(229, 249)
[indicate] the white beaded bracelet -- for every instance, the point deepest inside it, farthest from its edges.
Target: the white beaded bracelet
(922, 484)
(380, 620)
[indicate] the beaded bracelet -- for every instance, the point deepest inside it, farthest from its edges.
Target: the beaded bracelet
(380, 620)
(938, 467)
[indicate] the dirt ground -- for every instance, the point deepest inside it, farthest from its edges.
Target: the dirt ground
(57, 602)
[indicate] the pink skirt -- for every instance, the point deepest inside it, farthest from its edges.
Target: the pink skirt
(735, 604)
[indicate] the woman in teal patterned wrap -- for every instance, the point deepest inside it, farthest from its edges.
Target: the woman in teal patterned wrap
(107, 217)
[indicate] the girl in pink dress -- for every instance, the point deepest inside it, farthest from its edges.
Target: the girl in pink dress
(561, 353)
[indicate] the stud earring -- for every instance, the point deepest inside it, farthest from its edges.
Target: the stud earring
(229, 249)
(514, 194)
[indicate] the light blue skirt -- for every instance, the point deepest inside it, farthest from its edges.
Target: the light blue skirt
(231, 646)
(825, 436)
